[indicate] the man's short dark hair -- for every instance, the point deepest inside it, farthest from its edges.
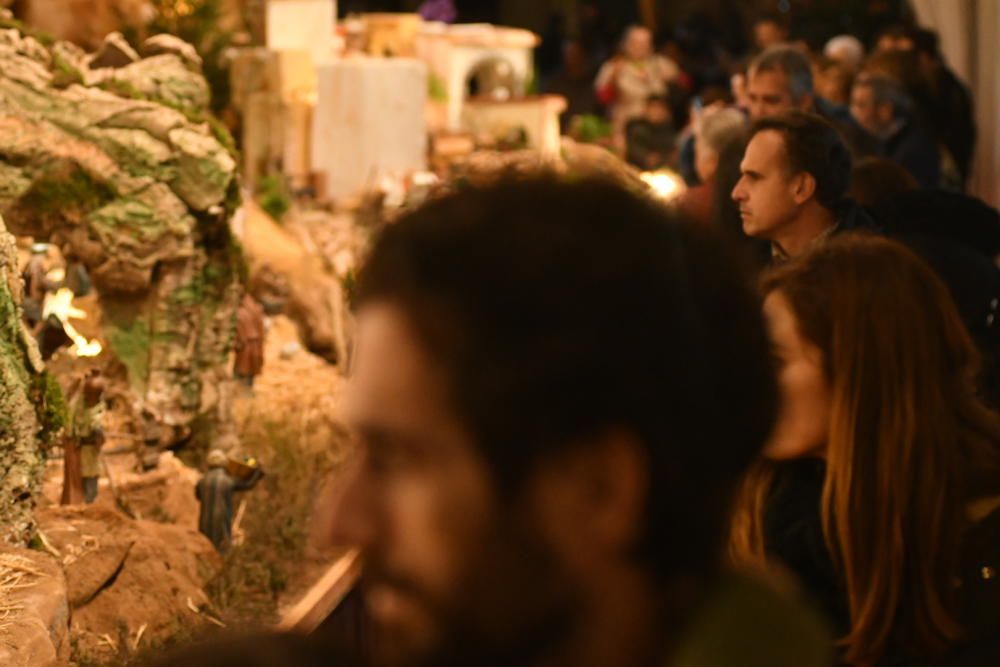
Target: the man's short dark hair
(812, 145)
(792, 63)
(561, 311)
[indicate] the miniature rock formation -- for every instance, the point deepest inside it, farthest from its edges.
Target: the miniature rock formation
(116, 156)
(125, 580)
(23, 401)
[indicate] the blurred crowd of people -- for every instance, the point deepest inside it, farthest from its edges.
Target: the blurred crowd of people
(755, 427)
(894, 98)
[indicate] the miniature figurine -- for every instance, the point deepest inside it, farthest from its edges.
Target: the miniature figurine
(148, 451)
(36, 285)
(215, 492)
(249, 341)
(82, 464)
(77, 279)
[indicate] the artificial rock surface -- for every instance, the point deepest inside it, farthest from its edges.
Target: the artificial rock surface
(21, 460)
(115, 155)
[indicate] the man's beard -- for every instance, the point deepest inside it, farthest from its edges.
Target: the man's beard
(512, 605)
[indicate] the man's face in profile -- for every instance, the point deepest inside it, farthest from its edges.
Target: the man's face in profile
(765, 191)
(446, 556)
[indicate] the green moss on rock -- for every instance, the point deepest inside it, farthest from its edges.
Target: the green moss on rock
(50, 405)
(65, 193)
(130, 338)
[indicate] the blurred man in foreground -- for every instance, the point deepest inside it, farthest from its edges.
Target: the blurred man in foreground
(554, 390)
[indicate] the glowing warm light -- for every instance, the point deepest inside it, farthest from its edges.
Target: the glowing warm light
(665, 184)
(61, 305)
(56, 275)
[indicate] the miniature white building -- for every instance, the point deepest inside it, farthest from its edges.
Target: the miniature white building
(345, 122)
(368, 122)
(452, 52)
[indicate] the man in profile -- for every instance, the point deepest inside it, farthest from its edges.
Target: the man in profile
(793, 184)
(555, 389)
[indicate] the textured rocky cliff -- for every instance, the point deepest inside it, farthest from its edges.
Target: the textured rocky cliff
(114, 155)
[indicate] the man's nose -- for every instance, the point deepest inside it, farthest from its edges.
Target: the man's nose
(737, 193)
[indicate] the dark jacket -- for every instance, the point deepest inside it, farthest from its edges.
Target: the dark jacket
(851, 217)
(793, 535)
(950, 114)
(859, 142)
(959, 236)
(914, 149)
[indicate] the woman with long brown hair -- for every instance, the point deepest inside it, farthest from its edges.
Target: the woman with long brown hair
(881, 484)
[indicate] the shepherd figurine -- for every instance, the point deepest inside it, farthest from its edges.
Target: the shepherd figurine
(215, 492)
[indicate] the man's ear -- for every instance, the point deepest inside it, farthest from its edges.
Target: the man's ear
(803, 187)
(807, 103)
(590, 499)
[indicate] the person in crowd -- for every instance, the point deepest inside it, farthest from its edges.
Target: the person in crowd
(882, 108)
(949, 103)
(710, 100)
(718, 133)
(769, 29)
(959, 237)
(876, 179)
(794, 177)
(846, 50)
(651, 141)
(625, 82)
(780, 79)
(901, 67)
(574, 80)
(896, 37)
(943, 100)
(883, 488)
(726, 211)
(521, 496)
(832, 81)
